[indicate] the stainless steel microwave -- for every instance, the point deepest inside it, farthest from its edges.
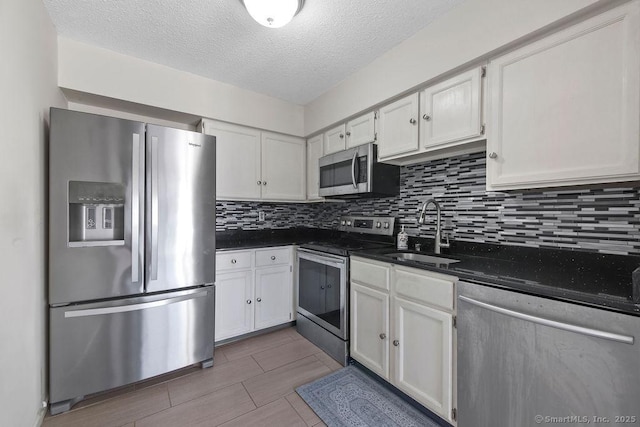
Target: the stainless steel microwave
(356, 173)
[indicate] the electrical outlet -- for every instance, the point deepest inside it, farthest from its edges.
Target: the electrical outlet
(260, 215)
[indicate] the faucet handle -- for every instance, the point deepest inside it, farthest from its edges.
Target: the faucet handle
(445, 245)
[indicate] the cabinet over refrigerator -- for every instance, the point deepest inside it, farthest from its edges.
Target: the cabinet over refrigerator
(131, 252)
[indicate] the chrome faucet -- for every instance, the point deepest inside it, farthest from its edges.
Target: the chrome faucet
(438, 239)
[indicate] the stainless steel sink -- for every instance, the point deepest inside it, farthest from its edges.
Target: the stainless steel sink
(422, 258)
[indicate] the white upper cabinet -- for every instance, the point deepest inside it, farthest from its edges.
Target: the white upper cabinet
(237, 160)
(398, 128)
(314, 152)
(283, 167)
(334, 139)
(361, 130)
(565, 110)
(255, 165)
(451, 111)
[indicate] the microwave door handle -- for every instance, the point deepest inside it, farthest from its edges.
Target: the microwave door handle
(353, 169)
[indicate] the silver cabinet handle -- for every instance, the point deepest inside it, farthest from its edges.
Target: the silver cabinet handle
(412, 121)
(273, 257)
(329, 286)
(348, 133)
(353, 170)
(233, 261)
(396, 343)
(264, 182)
(551, 323)
(248, 301)
(154, 208)
(383, 336)
(321, 287)
(135, 208)
(259, 182)
(426, 117)
(259, 300)
(341, 136)
(493, 155)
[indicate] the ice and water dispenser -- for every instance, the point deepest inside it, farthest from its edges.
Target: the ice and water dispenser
(96, 214)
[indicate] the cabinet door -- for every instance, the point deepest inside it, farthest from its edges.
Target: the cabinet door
(422, 350)
(274, 290)
(566, 110)
(283, 167)
(314, 152)
(451, 110)
(370, 328)
(237, 160)
(361, 130)
(334, 140)
(234, 304)
(398, 131)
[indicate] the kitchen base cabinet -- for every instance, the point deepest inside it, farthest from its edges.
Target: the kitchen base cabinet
(254, 290)
(233, 315)
(369, 321)
(423, 356)
(406, 334)
(273, 296)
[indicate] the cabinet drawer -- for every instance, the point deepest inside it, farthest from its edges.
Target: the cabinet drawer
(432, 288)
(233, 260)
(268, 257)
(372, 273)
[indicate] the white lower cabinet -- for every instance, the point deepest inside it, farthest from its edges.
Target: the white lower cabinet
(423, 359)
(406, 334)
(369, 323)
(234, 316)
(273, 296)
(254, 290)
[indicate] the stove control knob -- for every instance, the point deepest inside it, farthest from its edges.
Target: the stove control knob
(378, 224)
(343, 222)
(386, 225)
(349, 223)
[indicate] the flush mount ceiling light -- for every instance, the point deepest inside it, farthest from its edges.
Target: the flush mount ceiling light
(273, 13)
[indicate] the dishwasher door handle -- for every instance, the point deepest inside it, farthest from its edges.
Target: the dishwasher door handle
(552, 323)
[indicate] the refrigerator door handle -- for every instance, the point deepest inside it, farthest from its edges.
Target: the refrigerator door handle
(133, 307)
(154, 208)
(135, 209)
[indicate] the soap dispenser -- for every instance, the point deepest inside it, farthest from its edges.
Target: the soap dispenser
(403, 240)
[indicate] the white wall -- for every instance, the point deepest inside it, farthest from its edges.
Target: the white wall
(104, 111)
(97, 71)
(468, 32)
(28, 84)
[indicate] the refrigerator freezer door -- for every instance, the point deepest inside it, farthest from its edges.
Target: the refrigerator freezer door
(98, 346)
(180, 216)
(96, 207)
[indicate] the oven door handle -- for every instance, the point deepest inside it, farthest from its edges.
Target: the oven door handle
(321, 258)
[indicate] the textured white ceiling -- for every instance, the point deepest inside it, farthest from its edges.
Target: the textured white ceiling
(326, 42)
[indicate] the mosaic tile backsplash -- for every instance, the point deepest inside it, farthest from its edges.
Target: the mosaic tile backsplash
(597, 219)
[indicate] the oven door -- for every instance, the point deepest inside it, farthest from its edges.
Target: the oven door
(346, 172)
(322, 290)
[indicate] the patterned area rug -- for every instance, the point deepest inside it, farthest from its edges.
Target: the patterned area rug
(349, 397)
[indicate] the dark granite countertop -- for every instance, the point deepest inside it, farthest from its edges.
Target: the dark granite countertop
(593, 279)
(251, 239)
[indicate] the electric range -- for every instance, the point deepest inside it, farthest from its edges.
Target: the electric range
(323, 281)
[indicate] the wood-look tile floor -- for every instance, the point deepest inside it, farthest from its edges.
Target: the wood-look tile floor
(252, 383)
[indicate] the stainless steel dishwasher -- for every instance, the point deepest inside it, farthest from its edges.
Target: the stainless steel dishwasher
(527, 361)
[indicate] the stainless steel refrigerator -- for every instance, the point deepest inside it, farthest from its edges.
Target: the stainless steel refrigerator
(131, 253)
